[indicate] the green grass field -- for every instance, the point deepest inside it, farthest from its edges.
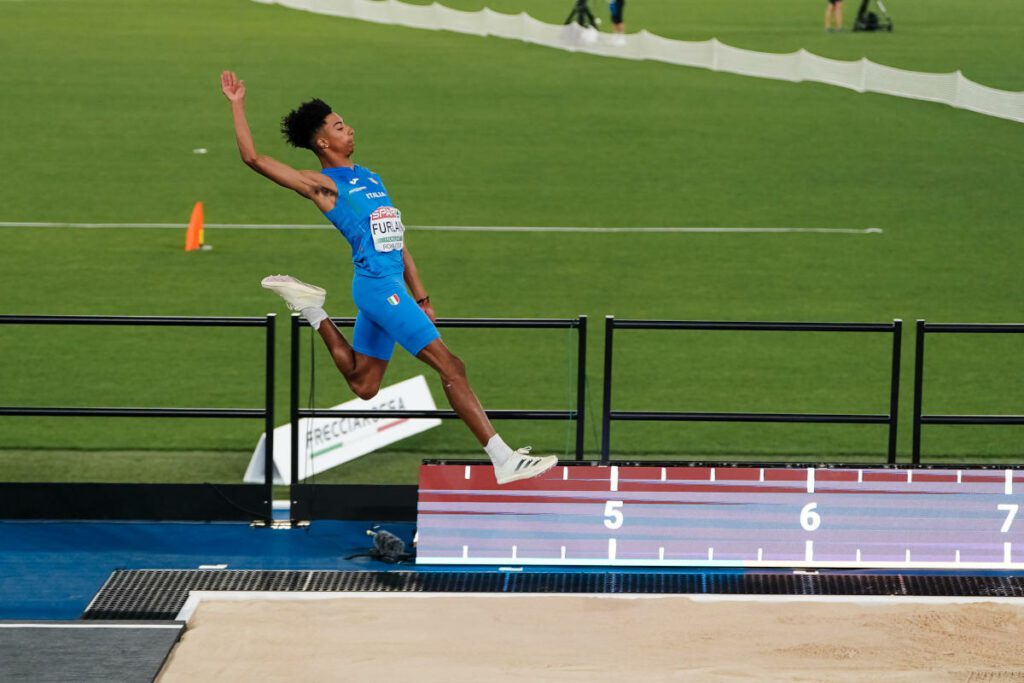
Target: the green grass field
(105, 101)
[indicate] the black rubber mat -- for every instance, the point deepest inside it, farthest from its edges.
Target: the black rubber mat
(160, 594)
(92, 652)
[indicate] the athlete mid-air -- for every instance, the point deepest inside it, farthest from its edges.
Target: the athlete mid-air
(355, 200)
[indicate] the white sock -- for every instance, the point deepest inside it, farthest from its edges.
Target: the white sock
(498, 451)
(314, 315)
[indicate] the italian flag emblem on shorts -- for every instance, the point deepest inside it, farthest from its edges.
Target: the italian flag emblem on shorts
(393, 299)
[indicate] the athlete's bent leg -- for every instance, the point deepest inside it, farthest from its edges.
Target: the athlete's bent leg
(363, 373)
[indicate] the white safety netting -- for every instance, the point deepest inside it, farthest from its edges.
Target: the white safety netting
(862, 75)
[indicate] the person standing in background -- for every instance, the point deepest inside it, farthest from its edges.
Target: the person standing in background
(618, 26)
(833, 15)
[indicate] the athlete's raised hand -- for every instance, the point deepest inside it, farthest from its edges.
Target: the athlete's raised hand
(232, 88)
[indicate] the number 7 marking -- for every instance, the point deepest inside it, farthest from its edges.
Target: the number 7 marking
(1011, 512)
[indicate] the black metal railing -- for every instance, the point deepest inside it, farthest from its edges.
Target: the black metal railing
(924, 328)
(248, 501)
(607, 414)
(154, 499)
(577, 414)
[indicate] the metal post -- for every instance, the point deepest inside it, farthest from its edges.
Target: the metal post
(268, 450)
(606, 408)
(894, 398)
(581, 385)
(293, 404)
(918, 385)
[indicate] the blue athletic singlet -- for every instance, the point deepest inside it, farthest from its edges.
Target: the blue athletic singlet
(387, 313)
(364, 215)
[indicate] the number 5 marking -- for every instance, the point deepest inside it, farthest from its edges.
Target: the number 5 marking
(613, 515)
(1011, 512)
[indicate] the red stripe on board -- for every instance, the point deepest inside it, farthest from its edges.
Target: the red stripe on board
(498, 498)
(718, 487)
(832, 475)
(982, 479)
(736, 474)
(520, 514)
(559, 486)
(389, 425)
(626, 473)
(944, 478)
(445, 477)
(539, 497)
(901, 476)
(793, 474)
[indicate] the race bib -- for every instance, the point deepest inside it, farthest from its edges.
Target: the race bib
(387, 229)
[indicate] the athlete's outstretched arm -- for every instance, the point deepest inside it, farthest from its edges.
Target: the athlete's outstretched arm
(412, 280)
(314, 186)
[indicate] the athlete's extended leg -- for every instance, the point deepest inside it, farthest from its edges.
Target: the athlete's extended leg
(509, 465)
(456, 387)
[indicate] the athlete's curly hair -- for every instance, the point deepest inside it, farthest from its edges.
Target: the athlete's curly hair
(302, 123)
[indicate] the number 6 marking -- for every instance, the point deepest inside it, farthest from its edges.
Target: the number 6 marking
(809, 519)
(1011, 512)
(613, 514)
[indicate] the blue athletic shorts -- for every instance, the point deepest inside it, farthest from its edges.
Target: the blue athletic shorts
(388, 314)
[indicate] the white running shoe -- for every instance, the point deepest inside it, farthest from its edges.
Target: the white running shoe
(296, 293)
(522, 465)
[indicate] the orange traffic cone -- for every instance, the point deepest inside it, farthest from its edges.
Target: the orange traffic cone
(194, 236)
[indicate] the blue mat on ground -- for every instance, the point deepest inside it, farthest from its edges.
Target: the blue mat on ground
(51, 570)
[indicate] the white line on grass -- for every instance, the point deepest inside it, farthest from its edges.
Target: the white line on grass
(441, 228)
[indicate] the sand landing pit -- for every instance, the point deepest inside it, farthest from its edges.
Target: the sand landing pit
(523, 638)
